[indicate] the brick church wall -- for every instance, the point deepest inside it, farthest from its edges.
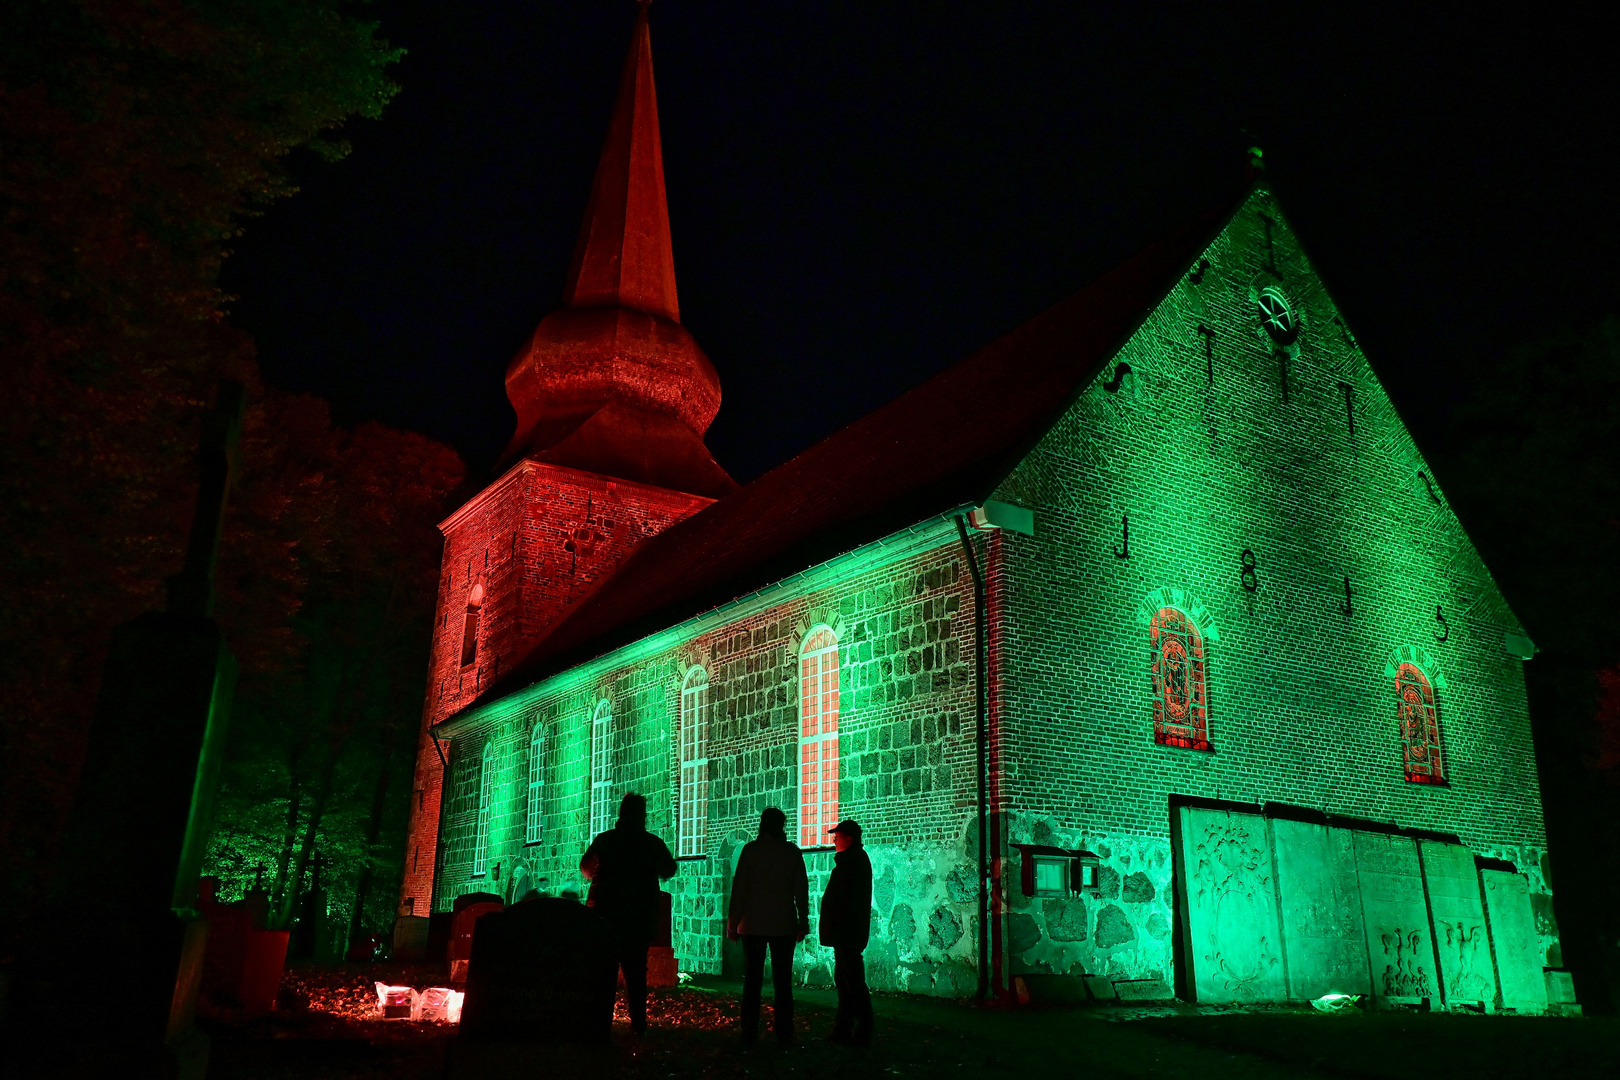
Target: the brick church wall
(1208, 457)
(906, 746)
(1201, 446)
(535, 541)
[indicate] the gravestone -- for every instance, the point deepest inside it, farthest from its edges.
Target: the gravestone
(540, 971)
(1514, 941)
(228, 928)
(468, 910)
(410, 937)
(1233, 941)
(1457, 919)
(1393, 910)
(1319, 904)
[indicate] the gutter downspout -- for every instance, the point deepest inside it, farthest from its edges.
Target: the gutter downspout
(979, 621)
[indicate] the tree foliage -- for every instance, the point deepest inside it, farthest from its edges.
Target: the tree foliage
(326, 717)
(135, 138)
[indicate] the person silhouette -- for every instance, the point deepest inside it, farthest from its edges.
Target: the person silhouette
(769, 912)
(846, 926)
(624, 865)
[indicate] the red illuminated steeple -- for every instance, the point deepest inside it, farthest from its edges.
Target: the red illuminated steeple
(613, 383)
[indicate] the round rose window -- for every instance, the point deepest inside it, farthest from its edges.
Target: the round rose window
(1278, 317)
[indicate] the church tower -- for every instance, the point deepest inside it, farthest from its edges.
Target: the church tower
(612, 396)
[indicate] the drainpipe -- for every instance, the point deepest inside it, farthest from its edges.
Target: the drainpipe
(979, 621)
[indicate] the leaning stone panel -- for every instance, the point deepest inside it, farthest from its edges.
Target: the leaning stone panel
(1233, 942)
(1393, 910)
(1319, 906)
(1513, 940)
(1458, 921)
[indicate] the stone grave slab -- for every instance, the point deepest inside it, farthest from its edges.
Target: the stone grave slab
(1400, 950)
(540, 971)
(1234, 944)
(1319, 907)
(1457, 917)
(1513, 941)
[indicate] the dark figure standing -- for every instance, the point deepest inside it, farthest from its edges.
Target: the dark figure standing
(846, 926)
(624, 866)
(770, 910)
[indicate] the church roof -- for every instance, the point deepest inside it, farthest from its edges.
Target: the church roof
(944, 444)
(612, 382)
(623, 257)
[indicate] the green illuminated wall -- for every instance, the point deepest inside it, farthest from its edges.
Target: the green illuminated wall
(1301, 710)
(902, 610)
(1208, 457)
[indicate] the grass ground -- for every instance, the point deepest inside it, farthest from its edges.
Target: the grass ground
(325, 1034)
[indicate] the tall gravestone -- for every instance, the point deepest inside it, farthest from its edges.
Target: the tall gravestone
(116, 962)
(1400, 950)
(1319, 906)
(540, 990)
(1232, 938)
(1512, 925)
(1457, 920)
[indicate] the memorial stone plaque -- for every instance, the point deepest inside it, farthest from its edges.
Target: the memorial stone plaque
(1399, 949)
(540, 971)
(1233, 940)
(1467, 976)
(1514, 941)
(1319, 906)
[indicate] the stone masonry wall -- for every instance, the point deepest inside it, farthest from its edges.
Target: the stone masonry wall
(535, 541)
(906, 748)
(1219, 441)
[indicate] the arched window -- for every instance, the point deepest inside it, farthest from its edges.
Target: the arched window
(818, 738)
(601, 769)
(694, 762)
(534, 821)
(469, 628)
(1420, 726)
(1180, 692)
(486, 806)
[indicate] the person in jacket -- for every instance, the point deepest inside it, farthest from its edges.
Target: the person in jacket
(846, 926)
(624, 866)
(770, 911)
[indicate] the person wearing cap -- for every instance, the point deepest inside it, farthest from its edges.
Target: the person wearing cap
(846, 926)
(770, 910)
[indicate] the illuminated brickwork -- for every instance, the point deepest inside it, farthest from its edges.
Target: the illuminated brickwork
(531, 544)
(1256, 477)
(905, 743)
(1235, 539)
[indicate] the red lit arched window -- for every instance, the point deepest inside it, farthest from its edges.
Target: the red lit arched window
(818, 738)
(1420, 726)
(1180, 693)
(469, 628)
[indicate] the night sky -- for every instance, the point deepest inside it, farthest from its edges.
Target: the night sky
(862, 194)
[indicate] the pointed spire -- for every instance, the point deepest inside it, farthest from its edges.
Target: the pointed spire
(613, 383)
(623, 256)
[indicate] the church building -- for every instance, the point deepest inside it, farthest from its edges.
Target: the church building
(1142, 642)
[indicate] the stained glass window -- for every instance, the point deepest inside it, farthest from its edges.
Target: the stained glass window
(601, 770)
(486, 806)
(535, 819)
(1180, 692)
(694, 762)
(1420, 726)
(818, 738)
